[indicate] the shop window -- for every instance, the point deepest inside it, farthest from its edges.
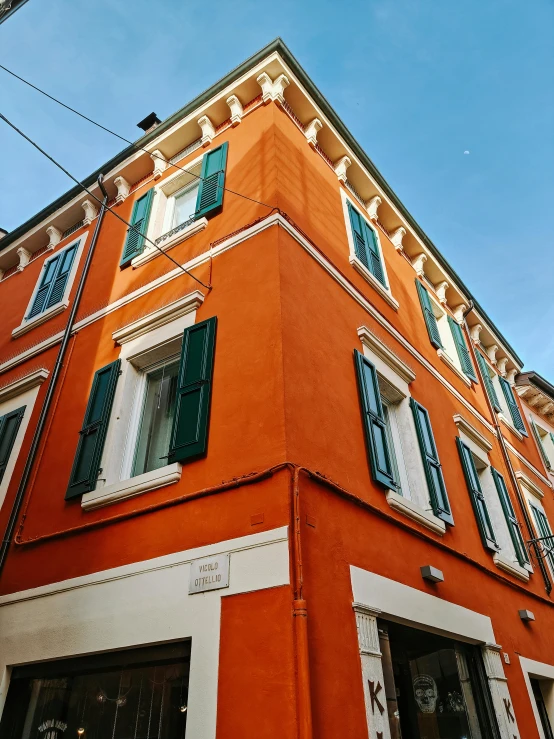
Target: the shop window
(135, 694)
(537, 687)
(435, 687)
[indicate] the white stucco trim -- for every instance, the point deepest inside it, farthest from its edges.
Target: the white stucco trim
(120, 608)
(472, 433)
(528, 464)
(377, 347)
(529, 485)
(447, 359)
(416, 513)
(124, 489)
(151, 252)
(510, 566)
(414, 607)
(28, 324)
(27, 391)
(508, 423)
(159, 317)
(542, 671)
(22, 384)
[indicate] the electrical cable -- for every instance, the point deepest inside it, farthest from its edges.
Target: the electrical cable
(122, 138)
(98, 200)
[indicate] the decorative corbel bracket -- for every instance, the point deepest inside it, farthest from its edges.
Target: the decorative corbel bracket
(440, 289)
(273, 91)
(459, 311)
(501, 365)
(341, 165)
(208, 130)
(312, 130)
(418, 262)
(160, 163)
(491, 352)
(54, 237)
(475, 333)
(123, 189)
(511, 375)
(372, 207)
(236, 109)
(91, 211)
(397, 238)
(24, 258)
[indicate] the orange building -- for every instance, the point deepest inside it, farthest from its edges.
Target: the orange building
(264, 468)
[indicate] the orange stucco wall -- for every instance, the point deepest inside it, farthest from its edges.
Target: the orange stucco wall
(284, 390)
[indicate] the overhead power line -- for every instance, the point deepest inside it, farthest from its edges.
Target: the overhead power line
(98, 200)
(122, 138)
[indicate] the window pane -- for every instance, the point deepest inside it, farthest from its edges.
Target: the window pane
(185, 205)
(157, 419)
(386, 416)
(139, 701)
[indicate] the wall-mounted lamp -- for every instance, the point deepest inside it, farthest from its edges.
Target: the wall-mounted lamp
(433, 574)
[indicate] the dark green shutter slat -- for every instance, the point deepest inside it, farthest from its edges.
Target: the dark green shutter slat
(209, 200)
(429, 316)
(62, 275)
(438, 496)
(380, 460)
(491, 392)
(543, 529)
(540, 444)
(49, 272)
(366, 247)
(477, 498)
(462, 349)
(512, 405)
(93, 433)
(189, 436)
(9, 426)
(134, 243)
(511, 520)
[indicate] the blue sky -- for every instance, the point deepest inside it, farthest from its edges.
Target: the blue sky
(417, 83)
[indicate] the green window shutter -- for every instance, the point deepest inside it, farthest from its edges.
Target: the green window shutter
(53, 281)
(134, 243)
(62, 275)
(433, 471)
(189, 436)
(366, 247)
(461, 347)
(491, 392)
(512, 405)
(428, 315)
(543, 529)
(380, 460)
(93, 433)
(540, 444)
(209, 200)
(511, 520)
(9, 426)
(477, 498)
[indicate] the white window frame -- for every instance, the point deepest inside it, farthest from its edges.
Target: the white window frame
(28, 323)
(383, 291)
(414, 501)
(547, 446)
(158, 224)
(145, 342)
(540, 671)
(533, 496)
(22, 392)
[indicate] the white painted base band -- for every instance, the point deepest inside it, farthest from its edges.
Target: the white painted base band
(143, 603)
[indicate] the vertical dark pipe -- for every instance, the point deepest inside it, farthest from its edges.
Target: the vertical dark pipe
(37, 436)
(507, 460)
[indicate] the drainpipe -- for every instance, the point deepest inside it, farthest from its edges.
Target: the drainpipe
(507, 460)
(37, 436)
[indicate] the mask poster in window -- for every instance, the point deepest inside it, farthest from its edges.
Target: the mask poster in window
(426, 694)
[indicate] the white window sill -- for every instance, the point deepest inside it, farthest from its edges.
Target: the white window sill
(124, 489)
(512, 568)
(510, 425)
(450, 362)
(411, 510)
(373, 281)
(150, 252)
(27, 325)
